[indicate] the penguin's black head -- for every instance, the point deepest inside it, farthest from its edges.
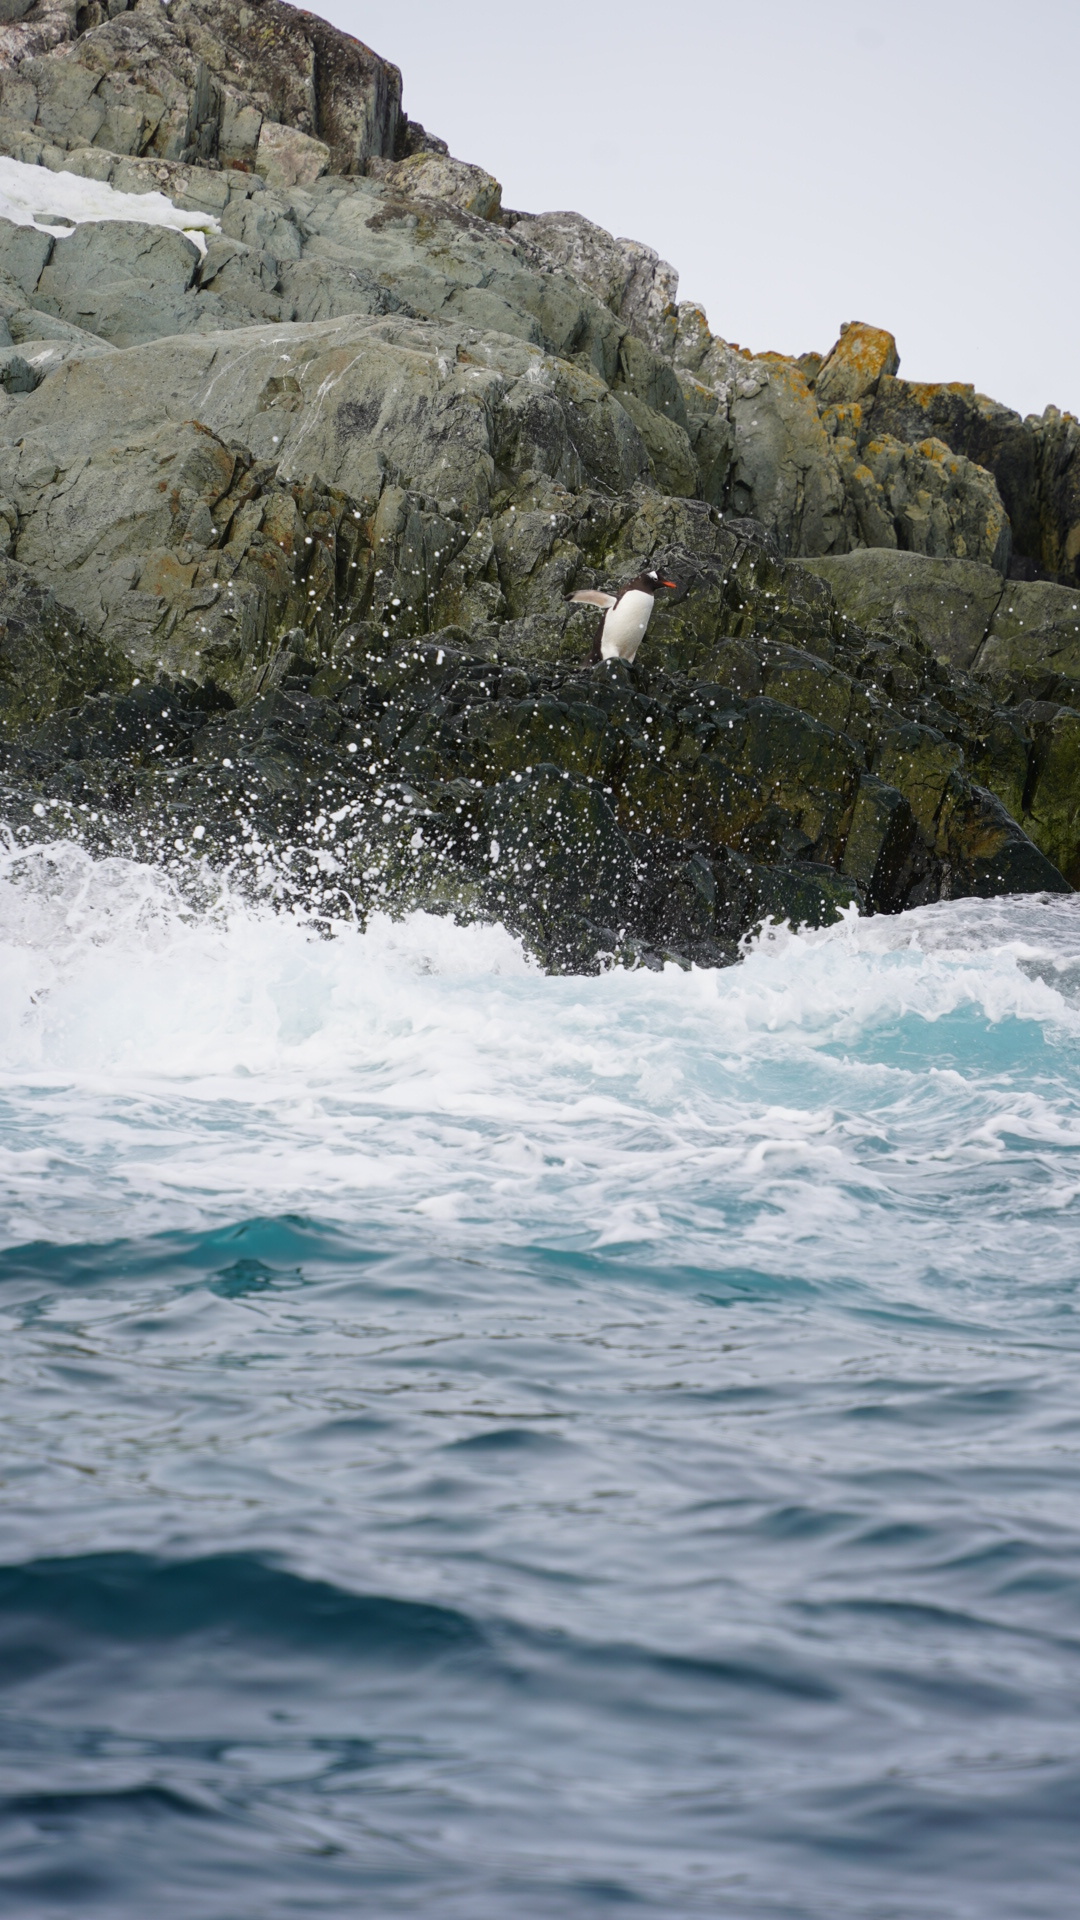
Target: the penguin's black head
(651, 579)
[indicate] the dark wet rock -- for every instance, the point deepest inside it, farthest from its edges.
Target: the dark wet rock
(1057, 438)
(988, 853)
(599, 810)
(881, 849)
(48, 660)
(1053, 798)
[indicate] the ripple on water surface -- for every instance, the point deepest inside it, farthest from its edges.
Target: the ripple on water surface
(485, 1444)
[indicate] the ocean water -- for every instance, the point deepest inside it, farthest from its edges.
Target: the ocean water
(484, 1445)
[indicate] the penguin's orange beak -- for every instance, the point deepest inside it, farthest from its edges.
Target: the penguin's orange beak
(670, 583)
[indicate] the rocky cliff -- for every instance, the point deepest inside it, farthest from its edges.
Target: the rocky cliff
(305, 440)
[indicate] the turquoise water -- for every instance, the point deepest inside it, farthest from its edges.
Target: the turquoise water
(481, 1445)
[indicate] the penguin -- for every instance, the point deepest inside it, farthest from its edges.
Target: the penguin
(626, 615)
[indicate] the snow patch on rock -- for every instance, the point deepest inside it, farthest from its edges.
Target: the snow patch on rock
(56, 203)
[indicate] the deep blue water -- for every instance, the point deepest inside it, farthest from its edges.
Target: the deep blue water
(482, 1445)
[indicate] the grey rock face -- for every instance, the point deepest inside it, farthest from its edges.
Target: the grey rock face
(119, 280)
(784, 471)
(110, 516)
(962, 611)
(286, 158)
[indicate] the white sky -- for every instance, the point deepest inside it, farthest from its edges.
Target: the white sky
(916, 165)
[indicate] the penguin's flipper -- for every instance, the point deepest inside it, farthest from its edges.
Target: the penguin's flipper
(590, 598)
(597, 654)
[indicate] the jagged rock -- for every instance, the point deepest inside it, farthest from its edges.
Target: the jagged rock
(626, 276)
(194, 562)
(417, 139)
(340, 247)
(991, 436)
(1035, 462)
(667, 444)
(817, 468)
(924, 499)
(987, 852)
(16, 373)
(880, 844)
(104, 493)
(197, 81)
(32, 27)
(857, 363)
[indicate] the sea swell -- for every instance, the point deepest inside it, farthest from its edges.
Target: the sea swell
(481, 1442)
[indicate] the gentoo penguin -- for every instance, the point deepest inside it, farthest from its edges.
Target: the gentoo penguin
(627, 614)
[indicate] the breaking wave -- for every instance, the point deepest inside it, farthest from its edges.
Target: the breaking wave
(487, 1442)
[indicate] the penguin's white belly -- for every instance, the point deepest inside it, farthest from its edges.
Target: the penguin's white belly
(625, 626)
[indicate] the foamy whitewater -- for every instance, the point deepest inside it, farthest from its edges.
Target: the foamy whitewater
(487, 1444)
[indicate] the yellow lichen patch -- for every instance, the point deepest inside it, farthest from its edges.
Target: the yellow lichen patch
(845, 422)
(924, 393)
(861, 356)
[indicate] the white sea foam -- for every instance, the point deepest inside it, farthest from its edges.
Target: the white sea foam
(894, 1091)
(57, 202)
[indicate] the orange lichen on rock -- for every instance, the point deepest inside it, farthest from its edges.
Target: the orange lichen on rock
(857, 362)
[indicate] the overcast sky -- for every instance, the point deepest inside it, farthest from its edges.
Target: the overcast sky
(916, 165)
